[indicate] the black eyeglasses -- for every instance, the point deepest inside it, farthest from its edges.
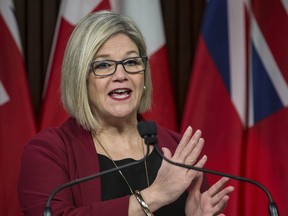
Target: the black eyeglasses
(108, 67)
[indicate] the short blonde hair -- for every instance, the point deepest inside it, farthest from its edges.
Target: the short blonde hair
(88, 36)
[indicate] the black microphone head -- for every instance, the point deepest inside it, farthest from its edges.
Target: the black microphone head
(148, 130)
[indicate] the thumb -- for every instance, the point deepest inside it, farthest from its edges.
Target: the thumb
(167, 153)
(197, 182)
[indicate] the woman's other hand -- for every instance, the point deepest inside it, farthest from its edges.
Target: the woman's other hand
(211, 202)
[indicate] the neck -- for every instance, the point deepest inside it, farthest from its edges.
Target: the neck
(120, 144)
(118, 123)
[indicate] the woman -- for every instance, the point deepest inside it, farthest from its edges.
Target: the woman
(105, 85)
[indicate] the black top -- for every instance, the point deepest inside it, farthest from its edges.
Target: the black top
(114, 186)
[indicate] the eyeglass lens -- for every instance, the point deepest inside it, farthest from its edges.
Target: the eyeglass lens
(108, 67)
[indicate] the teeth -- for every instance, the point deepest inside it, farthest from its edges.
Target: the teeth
(120, 91)
(120, 96)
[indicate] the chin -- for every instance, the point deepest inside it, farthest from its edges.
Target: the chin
(124, 115)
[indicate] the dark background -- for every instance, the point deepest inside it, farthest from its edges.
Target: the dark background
(182, 22)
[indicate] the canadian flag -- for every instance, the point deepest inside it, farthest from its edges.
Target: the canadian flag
(71, 11)
(17, 123)
(147, 15)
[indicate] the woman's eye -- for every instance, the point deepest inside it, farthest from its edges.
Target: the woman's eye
(131, 62)
(102, 65)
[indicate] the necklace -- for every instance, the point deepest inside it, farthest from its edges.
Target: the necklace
(120, 172)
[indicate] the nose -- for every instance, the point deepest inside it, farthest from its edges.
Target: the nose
(120, 72)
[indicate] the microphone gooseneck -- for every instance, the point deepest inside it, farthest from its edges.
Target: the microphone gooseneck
(148, 131)
(47, 209)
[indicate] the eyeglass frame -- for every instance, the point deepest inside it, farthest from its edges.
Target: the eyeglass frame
(144, 59)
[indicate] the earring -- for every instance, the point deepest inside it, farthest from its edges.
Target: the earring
(144, 87)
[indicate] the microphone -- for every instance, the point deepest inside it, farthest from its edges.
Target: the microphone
(47, 209)
(148, 131)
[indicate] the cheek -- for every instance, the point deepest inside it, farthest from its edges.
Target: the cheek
(140, 84)
(94, 89)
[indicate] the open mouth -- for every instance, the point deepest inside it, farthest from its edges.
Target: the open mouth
(120, 93)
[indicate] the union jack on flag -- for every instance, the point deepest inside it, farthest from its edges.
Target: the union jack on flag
(238, 97)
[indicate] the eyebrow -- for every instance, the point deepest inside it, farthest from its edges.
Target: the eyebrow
(106, 56)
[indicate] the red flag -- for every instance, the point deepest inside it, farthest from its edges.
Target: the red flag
(53, 113)
(238, 96)
(17, 123)
(148, 16)
(209, 105)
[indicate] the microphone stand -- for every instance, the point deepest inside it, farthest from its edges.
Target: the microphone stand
(273, 210)
(47, 209)
(148, 131)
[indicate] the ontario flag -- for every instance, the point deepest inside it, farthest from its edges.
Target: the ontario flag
(238, 97)
(147, 15)
(17, 123)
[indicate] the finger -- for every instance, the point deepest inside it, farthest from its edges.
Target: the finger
(200, 164)
(221, 205)
(193, 156)
(183, 142)
(191, 145)
(215, 188)
(197, 182)
(219, 196)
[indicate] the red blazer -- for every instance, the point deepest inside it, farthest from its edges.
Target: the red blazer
(56, 156)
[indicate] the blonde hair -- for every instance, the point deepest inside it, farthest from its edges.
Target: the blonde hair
(86, 39)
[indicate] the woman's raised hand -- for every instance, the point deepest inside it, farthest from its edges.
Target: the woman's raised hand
(171, 180)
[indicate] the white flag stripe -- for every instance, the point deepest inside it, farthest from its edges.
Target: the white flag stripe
(74, 10)
(115, 5)
(147, 15)
(4, 97)
(269, 62)
(251, 92)
(6, 10)
(285, 4)
(236, 31)
(250, 97)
